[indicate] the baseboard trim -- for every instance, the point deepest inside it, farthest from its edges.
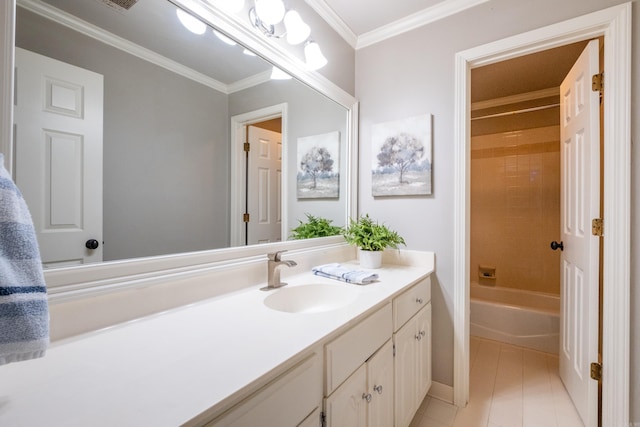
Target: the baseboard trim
(441, 391)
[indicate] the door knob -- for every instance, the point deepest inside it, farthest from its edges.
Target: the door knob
(92, 244)
(555, 245)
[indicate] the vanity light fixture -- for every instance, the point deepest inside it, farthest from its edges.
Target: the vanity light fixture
(191, 23)
(268, 13)
(297, 30)
(313, 56)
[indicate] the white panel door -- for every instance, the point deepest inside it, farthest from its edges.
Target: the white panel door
(58, 127)
(264, 190)
(580, 198)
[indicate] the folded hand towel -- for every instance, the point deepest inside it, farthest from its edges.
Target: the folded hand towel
(340, 272)
(24, 314)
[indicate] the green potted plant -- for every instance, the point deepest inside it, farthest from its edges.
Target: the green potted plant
(371, 238)
(315, 227)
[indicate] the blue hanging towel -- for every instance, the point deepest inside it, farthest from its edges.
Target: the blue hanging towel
(24, 313)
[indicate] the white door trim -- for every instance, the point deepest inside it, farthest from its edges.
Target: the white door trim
(615, 25)
(238, 125)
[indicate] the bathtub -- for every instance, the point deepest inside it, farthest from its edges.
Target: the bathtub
(523, 318)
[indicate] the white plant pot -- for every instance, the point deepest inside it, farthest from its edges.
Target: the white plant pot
(370, 259)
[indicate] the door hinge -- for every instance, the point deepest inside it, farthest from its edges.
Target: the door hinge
(394, 350)
(597, 82)
(245, 217)
(323, 419)
(247, 147)
(596, 371)
(597, 227)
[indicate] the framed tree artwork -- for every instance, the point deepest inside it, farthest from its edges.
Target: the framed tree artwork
(318, 174)
(401, 157)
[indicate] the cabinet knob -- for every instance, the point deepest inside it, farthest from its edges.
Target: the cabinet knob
(419, 300)
(92, 244)
(418, 337)
(367, 397)
(422, 333)
(378, 388)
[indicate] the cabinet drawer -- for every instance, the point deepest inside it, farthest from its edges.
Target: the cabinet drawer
(351, 349)
(286, 401)
(410, 301)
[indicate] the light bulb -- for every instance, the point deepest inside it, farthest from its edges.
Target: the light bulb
(224, 38)
(270, 11)
(191, 23)
(297, 30)
(278, 74)
(313, 56)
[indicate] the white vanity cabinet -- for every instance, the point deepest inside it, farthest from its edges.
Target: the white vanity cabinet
(359, 376)
(376, 373)
(412, 339)
(292, 399)
(379, 371)
(365, 399)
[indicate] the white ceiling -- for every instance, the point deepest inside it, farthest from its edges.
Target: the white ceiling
(364, 22)
(363, 16)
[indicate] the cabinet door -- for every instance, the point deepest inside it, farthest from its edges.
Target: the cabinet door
(313, 420)
(346, 407)
(286, 401)
(423, 352)
(380, 380)
(405, 373)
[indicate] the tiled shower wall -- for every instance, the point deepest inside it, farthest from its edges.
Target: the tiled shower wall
(515, 208)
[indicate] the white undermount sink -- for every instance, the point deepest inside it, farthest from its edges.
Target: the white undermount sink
(312, 298)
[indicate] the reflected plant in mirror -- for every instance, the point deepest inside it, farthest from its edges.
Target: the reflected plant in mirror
(315, 227)
(150, 169)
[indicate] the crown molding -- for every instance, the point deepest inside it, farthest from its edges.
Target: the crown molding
(514, 99)
(416, 20)
(250, 81)
(124, 45)
(333, 19)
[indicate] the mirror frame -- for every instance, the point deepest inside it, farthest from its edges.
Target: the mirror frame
(73, 282)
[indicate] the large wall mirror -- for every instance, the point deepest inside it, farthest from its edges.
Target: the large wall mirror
(170, 110)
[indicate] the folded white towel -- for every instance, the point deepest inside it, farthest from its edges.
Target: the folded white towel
(340, 272)
(24, 315)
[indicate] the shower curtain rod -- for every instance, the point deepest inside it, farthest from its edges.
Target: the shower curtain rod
(509, 113)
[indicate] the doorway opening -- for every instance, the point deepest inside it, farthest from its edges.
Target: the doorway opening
(515, 220)
(614, 24)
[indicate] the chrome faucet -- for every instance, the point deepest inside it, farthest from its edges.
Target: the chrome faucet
(273, 270)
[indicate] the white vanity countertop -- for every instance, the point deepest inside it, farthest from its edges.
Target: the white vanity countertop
(165, 369)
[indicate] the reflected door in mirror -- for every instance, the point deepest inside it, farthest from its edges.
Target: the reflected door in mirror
(58, 123)
(264, 187)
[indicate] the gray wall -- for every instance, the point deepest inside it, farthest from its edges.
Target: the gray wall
(309, 113)
(412, 74)
(166, 168)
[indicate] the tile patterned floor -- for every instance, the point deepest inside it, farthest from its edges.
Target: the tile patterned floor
(509, 387)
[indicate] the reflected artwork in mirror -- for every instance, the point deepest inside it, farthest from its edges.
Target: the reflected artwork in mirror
(171, 110)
